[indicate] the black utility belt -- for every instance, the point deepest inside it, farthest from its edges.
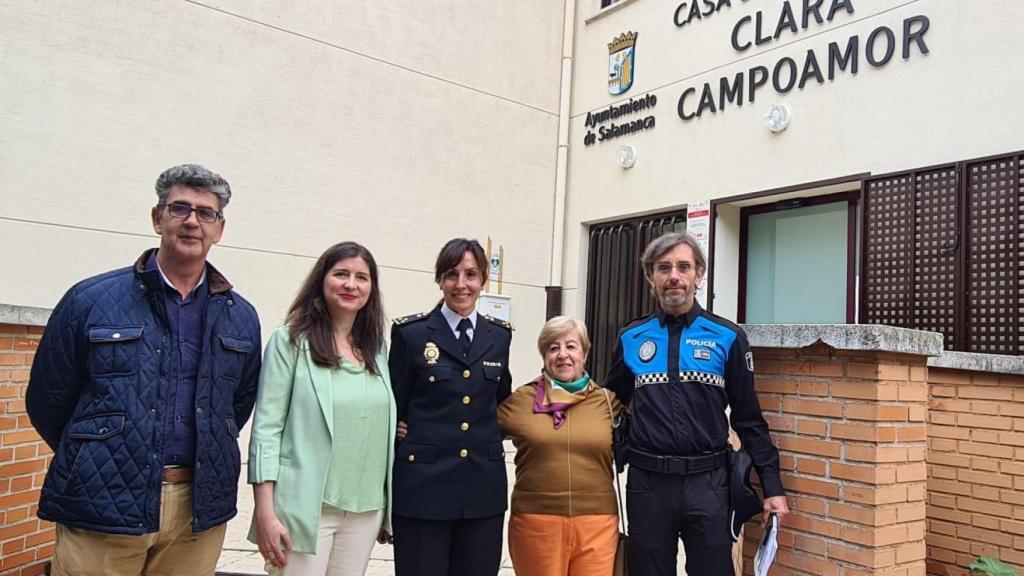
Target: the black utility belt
(682, 465)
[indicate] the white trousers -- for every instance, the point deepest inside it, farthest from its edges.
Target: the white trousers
(343, 546)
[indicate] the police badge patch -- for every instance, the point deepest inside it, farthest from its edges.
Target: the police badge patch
(702, 354)
(750, 361)
(431, 353)
(647, 350)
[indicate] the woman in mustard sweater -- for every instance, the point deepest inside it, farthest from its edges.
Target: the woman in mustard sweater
(564, 515)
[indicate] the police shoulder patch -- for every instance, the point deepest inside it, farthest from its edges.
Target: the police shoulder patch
(647, 350)
(410, 318)
(750, 361)
(503, 323)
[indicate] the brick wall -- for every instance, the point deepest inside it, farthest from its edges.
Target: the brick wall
(26, 542)
(975, 469)
(851, 430)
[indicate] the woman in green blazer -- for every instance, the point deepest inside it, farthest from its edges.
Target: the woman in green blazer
(322, 443)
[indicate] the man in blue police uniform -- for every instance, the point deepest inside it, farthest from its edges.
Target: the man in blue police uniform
(449, 371)
(142, 380)
(678, 369)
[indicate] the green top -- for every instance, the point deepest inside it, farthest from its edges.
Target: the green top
(359, 457)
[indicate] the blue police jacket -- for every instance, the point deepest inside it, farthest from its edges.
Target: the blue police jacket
(678, 375)
(98, 390)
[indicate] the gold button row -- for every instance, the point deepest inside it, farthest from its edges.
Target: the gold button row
(462, 453)
(465, 374)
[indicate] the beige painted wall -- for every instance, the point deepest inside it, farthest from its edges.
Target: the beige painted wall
(396, 124)
(955, 103)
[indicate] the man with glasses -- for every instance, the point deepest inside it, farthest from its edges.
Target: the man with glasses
(142, 379)
(678, 369)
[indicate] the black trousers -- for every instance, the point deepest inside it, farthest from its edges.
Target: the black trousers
(664, 508)
(447, 547)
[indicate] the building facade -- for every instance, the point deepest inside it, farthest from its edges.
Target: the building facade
(886, 191)
(844, 161)
(397, 125)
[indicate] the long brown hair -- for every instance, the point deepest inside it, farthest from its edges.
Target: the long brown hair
(309, 318)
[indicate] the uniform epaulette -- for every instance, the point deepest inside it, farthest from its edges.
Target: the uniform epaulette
(503, 323)
(410, 318)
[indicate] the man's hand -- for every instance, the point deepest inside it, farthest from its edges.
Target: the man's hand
(776, 505)
(401, 430)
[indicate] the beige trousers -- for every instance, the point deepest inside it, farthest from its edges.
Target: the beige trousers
(343, 546)
(169, 552)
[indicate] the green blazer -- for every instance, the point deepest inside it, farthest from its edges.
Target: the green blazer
(292, 435)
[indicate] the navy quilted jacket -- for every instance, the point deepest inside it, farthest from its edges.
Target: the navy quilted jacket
(97, 393)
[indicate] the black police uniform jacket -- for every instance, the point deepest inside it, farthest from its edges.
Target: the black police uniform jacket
(451, 464)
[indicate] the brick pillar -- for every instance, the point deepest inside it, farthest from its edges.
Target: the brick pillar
(850, 426)
(26, 543)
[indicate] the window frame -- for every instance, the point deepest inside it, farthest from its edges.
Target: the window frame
(852, 199)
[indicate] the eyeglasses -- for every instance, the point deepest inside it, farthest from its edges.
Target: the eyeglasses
(183, 211)
(665, 268)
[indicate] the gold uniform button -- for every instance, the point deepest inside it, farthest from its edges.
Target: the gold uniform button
(466, 400)
(464, 426)
(412, 457)
(463, 453)
(430, 379)
(465, 373)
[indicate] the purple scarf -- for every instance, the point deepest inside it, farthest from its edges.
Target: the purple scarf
(555, 401)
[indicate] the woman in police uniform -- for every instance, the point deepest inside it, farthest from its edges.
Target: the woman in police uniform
(449, 372)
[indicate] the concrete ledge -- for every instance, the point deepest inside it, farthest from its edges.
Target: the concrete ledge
(24, 315)
(976, 362)
(866, 337)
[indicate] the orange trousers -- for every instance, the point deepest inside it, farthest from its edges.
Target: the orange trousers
(550, 545)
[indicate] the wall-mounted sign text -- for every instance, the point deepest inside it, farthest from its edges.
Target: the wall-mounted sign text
(595, 120)
(688, 12)
(877, 49)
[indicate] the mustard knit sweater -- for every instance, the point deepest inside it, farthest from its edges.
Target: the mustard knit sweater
(568, 471)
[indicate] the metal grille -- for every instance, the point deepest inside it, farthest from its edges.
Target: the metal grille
(887, 251)
(944, 252)
(1019, 260)
(935, 250)
(616, 288)
(993, 309)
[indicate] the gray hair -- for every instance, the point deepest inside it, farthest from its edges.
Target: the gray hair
(193, 176)
(665, 243)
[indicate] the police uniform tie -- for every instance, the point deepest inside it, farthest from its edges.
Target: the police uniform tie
(464, 327)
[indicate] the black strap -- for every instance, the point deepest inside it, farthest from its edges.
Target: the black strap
(682, 465)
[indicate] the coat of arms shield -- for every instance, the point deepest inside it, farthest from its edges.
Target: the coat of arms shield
(621, 53)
